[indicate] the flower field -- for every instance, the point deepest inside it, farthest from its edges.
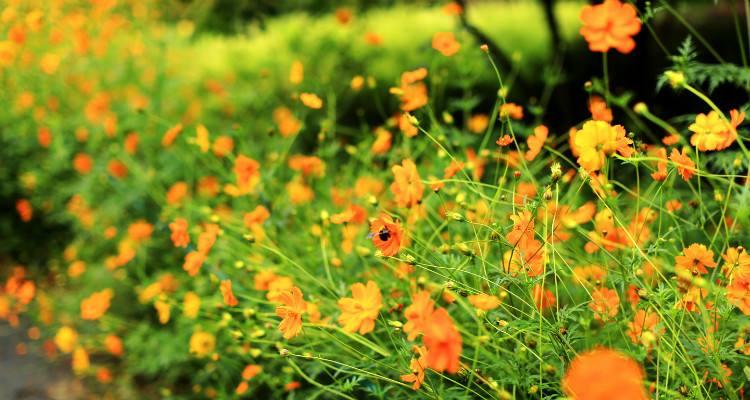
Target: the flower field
(378, 203)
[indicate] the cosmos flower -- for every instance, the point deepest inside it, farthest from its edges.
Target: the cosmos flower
(445, 43)
(290, 310)
(387, 235)
(407, 188)
(610, 25)
(604, 374)
(359, 312)
(443, 342)
(418, 313)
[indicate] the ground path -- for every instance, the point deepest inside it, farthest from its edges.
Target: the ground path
(31, 377)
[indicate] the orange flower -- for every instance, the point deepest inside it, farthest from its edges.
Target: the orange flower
(737, 263)
(171, 135)
(504, 140)
(685, 166)
(543, 298)
(445, 43)
(661, 165)
(591, 275)
(673, 205)
(114, 345)
(177, 193)
(278, 286)
(485, 302)
(247, 173)
(643, 329)
(383, 141)
(692, 300)
(523, 228)
(694, 260)
(140, 231)
(528, 257)
(407, 187)
(417, 367)
(207, 238)
(478, 123)
(452, 8)
(311, 100)
(262, 280)
(82, 163)
(343, 15)
(308, 165)
(24, 209)
(17, 34)
(452, 169)
(413, 92)
(599, 110)
(738, 293)
(373, 39)
(251, 371)
(605, 303)
(299, 192)
(287, 124)
(417, 314)
(44, 136)
(242, 388)
(179, 236)
(671, 139)
(604, 374)
(359, 312)
(354, 214)
(387, 235)
(117, 169)
(193, 262)
(536, 142)
(713, 132)
(406, 127)
(611, 24)
(94, 306)
(226, 291)
(223, 146)
(443, 342)
(291, 309)
(256, 217)
(511, 110)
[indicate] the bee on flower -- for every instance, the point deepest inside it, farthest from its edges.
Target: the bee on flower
(387, 235)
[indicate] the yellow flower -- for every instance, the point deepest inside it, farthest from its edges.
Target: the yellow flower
(49, 63)
(163, 309)
(712, 132)
(66, 339)
(191, 305)
(485, 302)
(597, 140)
(311, 100)
(359, 312)
(80, 360)
(201, 138)
(202, 343)
(296, 72)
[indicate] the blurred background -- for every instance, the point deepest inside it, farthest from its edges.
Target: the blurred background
(250, 44)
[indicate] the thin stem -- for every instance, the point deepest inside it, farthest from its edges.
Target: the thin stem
(605, 69)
